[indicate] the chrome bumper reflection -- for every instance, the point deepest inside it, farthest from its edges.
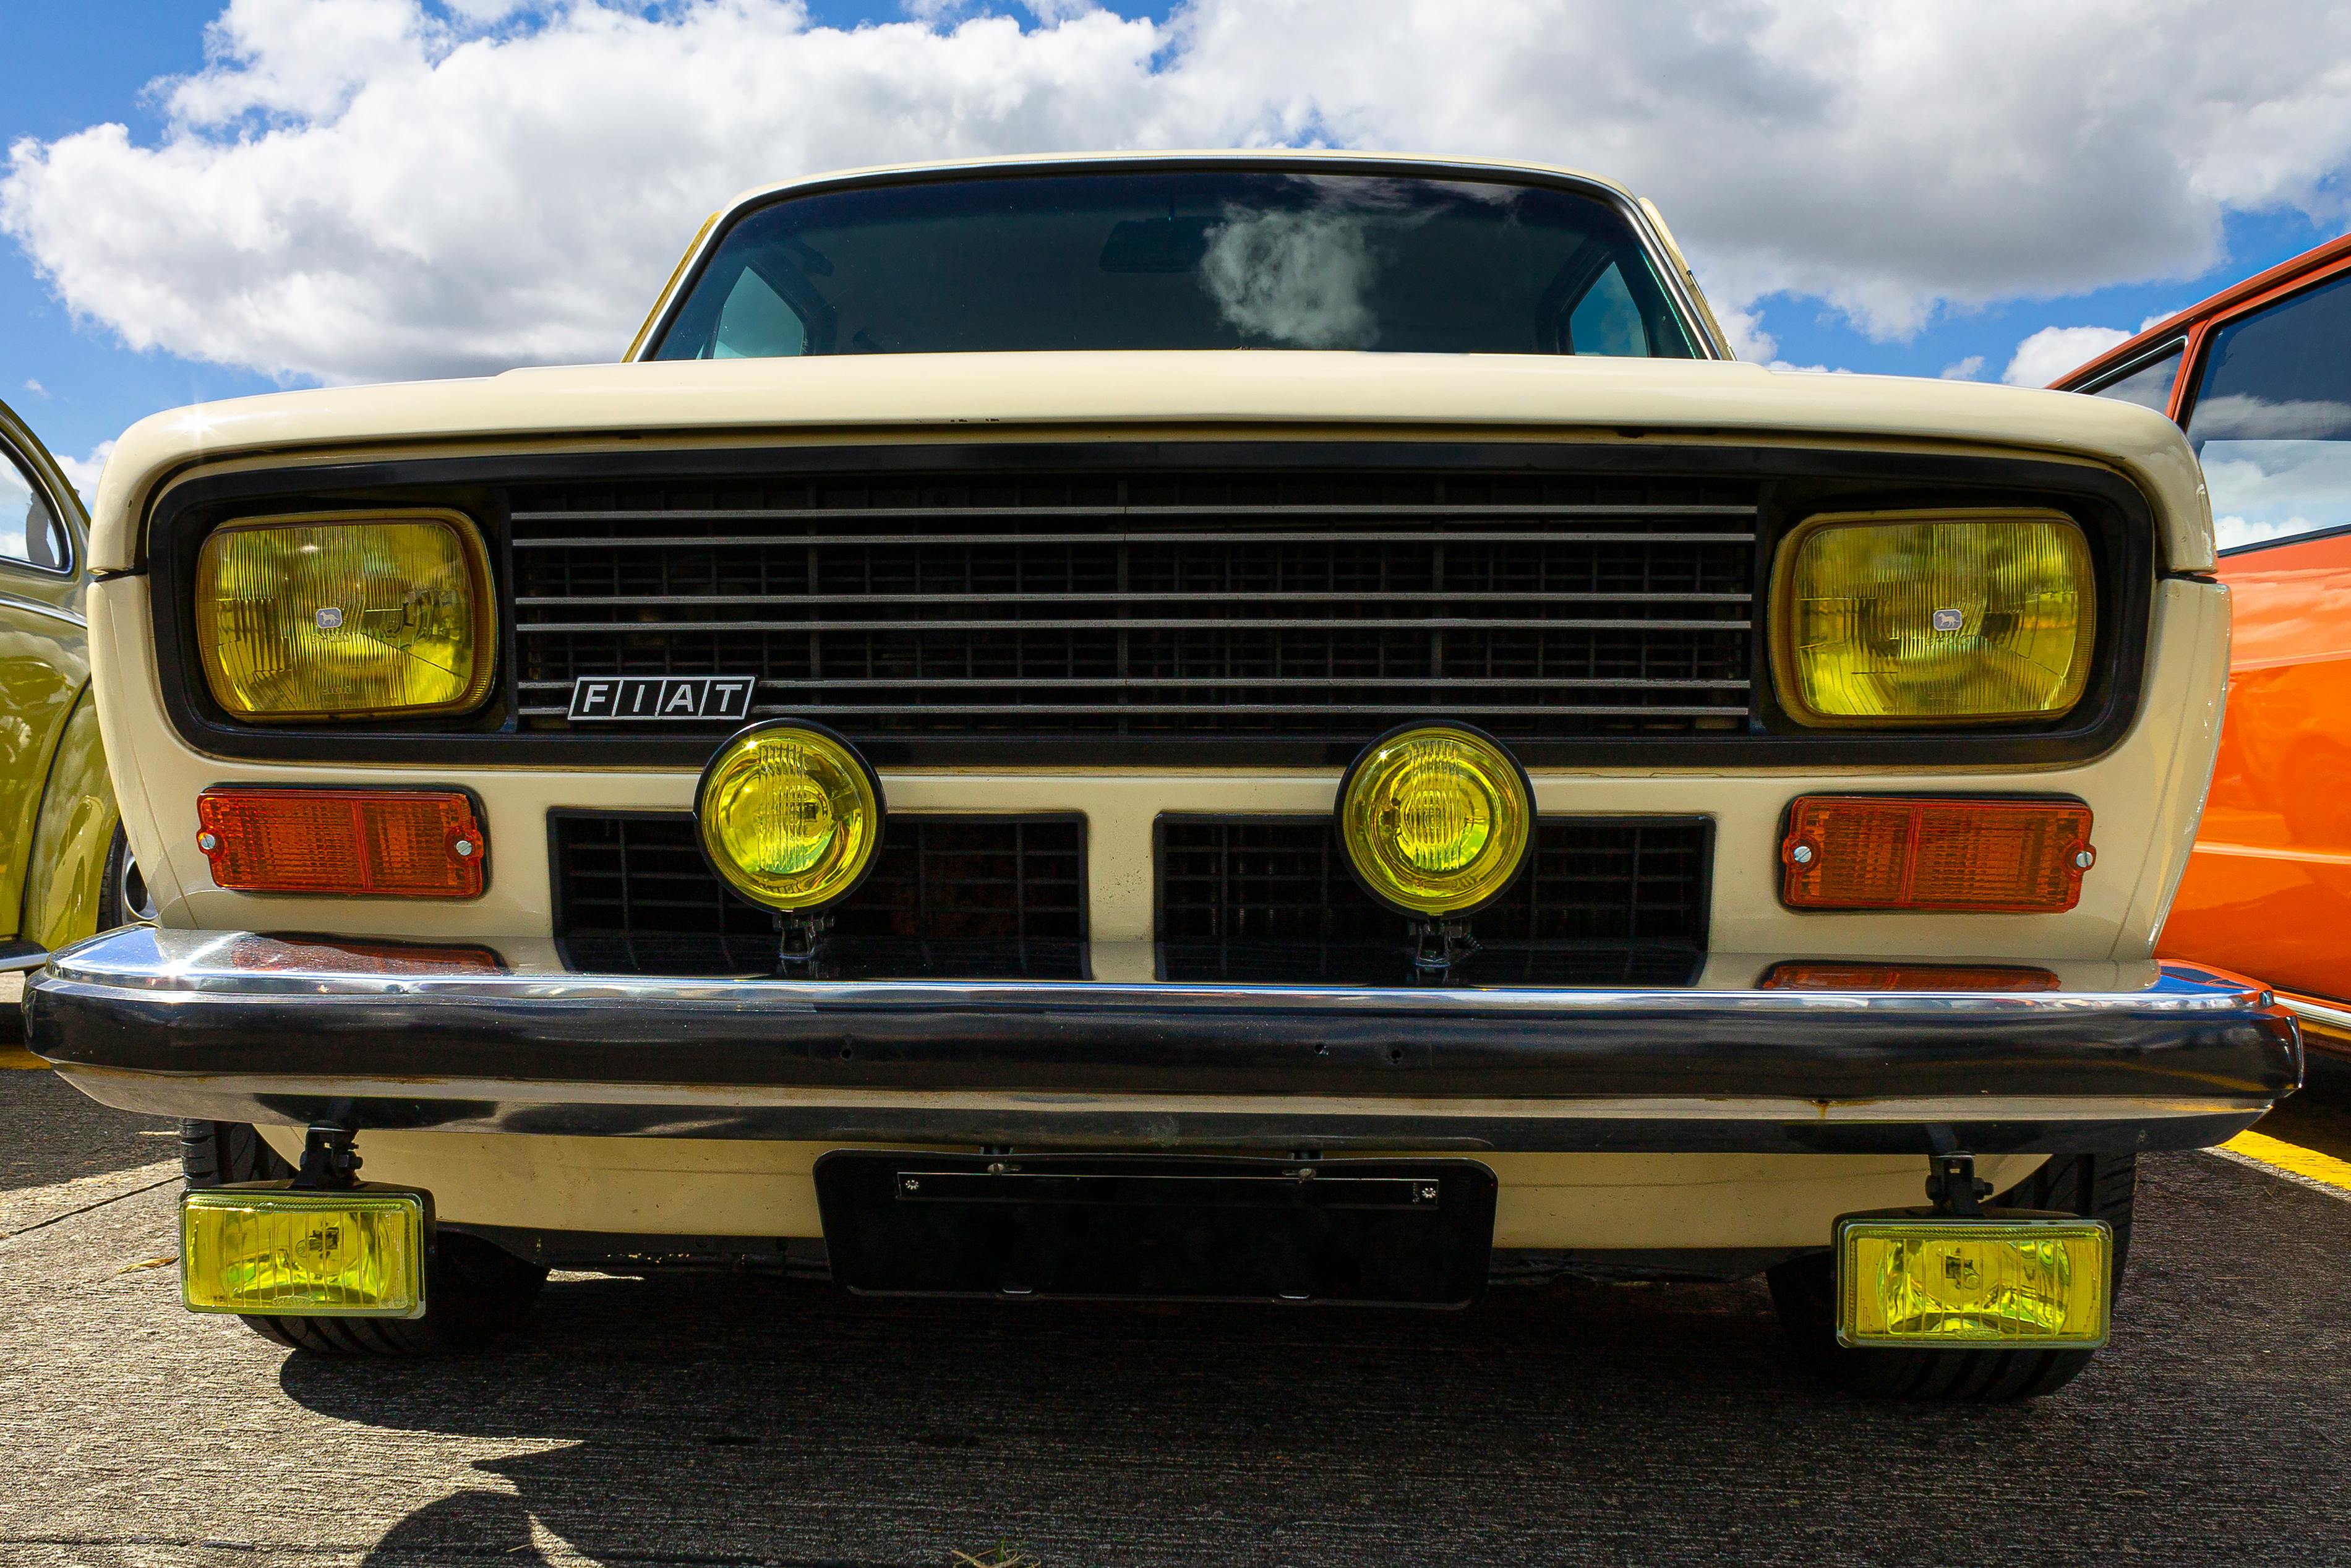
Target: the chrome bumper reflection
(242, 1026)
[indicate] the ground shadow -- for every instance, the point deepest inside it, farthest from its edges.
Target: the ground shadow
(52, 1132)
(754, 1419)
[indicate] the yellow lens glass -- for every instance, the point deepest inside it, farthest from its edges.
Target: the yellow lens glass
(1437, 820)
(278, 1253)
(789, 817)
(1933, 618)
(1963, 1283)
(340, 617)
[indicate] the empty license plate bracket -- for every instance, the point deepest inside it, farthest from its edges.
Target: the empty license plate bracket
(1151, 1227)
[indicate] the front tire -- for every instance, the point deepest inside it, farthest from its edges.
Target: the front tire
(1804, 1289)
(473, 1291)
(123, 895)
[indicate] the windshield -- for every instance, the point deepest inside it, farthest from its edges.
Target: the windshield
(1180, 259)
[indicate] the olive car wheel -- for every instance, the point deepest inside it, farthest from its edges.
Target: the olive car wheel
(2098, 1187)
(122, 896)
(473, 1291)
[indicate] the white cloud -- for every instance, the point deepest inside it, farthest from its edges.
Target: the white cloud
(1297, 279)
(1745, 329)
(366, 188)
(2053, 351)
(36, 389)
(83, 472)
(1965, 370)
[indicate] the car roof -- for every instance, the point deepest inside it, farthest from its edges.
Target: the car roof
(1240, 157)
(2309, 264)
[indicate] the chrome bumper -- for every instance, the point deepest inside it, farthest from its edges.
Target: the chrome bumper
(237, 1027)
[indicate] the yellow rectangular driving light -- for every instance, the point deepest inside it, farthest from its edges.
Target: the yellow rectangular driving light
(345, 615)
(1902, 619)
(2017, 1281)
(267, 1251)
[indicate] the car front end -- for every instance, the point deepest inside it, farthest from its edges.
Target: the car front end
(1802, 910)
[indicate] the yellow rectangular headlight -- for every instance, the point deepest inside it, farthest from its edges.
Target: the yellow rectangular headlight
(271, 1251)
(1932, 618)
(345, 615)
(2026, 1283)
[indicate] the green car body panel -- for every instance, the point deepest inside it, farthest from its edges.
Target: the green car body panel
(58, 813)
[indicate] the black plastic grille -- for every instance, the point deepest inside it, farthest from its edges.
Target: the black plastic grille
(974, 896)
(1155, 607)
(1592, 879)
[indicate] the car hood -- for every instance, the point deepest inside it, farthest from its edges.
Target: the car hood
(1214, 393)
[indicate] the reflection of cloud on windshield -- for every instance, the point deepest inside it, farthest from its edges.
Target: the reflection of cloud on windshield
(1299, 279)
(2275, 489)
(2241, 417)
(2230, 532)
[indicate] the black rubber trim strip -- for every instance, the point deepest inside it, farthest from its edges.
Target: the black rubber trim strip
(1160, 1128)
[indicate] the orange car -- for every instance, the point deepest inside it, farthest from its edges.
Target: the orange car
(2259, 377)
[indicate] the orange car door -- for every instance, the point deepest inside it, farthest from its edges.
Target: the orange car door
(2268, 891)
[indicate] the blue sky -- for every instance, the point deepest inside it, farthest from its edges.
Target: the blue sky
(64, 67)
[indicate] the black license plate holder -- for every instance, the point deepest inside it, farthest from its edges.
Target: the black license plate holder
(1155, 1228)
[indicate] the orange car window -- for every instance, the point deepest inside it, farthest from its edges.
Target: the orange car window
(2271, 421)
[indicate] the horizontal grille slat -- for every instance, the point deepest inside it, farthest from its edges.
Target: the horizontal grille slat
(1154, 607)
(950, 683)
(622, 513)
(1278, 595)
(1466, 710)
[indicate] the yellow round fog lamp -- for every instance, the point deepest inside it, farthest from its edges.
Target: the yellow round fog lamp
(789, 815)
(1436, 818)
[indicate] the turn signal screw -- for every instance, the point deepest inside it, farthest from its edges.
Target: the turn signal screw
(208, 842)
(1802, 854)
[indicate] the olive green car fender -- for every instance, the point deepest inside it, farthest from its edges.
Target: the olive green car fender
(66, 873)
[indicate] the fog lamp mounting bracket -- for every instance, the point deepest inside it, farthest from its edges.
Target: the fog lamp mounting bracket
(1439, 944)
(330, 1163)
(800, 943)
(1955, 1189)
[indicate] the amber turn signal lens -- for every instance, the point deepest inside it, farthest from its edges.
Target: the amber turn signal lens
(363, 843)
(1906, 978)
(789, 815)
(1897, 852)
(1901, 619)
(1962, 1284)
(345, 616)
(270, 1251)
(1436, 820)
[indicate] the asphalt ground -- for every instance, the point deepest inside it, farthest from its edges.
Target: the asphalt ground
(717, 1419)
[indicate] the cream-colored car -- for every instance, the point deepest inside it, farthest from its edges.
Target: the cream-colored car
(1273, 725)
